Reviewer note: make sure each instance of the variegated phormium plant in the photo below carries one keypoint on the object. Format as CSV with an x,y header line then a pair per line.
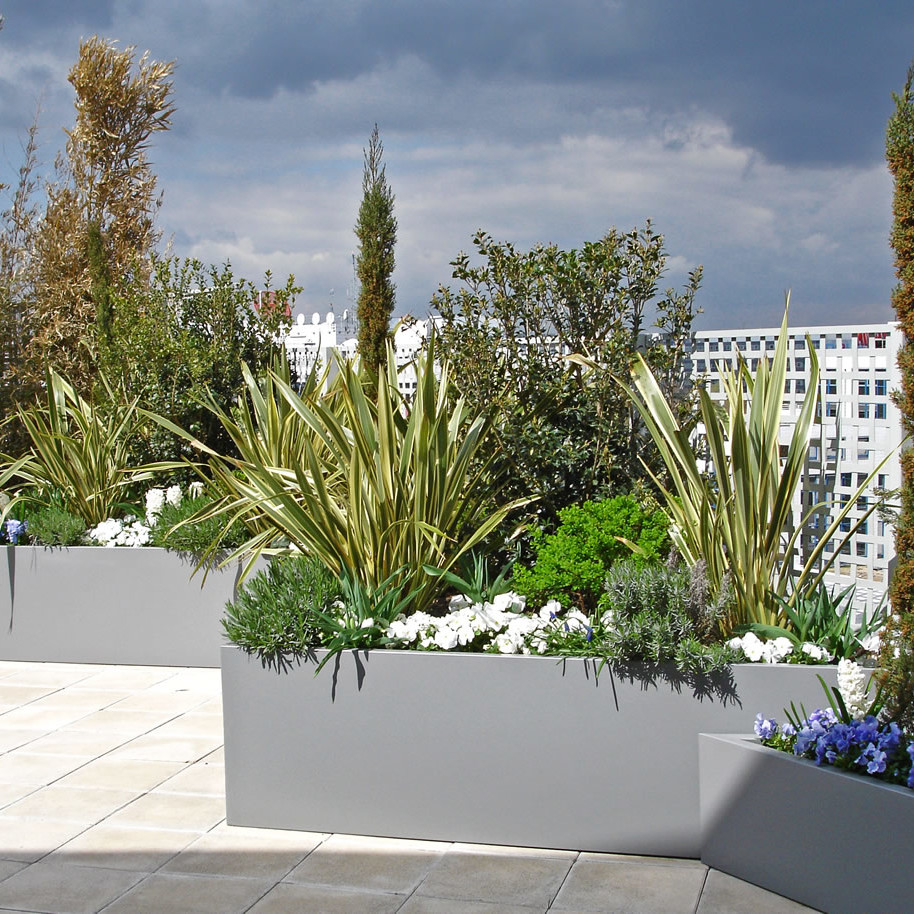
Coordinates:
x,y
736,514
376,486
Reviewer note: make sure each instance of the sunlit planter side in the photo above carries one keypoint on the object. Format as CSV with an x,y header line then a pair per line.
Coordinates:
x,y
89,604
513,750
827,838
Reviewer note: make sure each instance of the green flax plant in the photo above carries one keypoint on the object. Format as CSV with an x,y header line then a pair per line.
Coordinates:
x,y
375,486
80,452
738,517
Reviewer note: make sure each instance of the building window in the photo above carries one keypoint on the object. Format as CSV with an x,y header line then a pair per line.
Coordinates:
x,y
863,410
847,479
881,387
844,568
880,340
830,342
741,345
769,345
787,386
755,364
814,452
699,345
831,386
728,346
700,366
878,574
880,551
715,385
713,346
800,364
863,549
846,342
800,386
831,408
863,502
882,480
799,343
879,410
863,387
845,525
756,345
829,546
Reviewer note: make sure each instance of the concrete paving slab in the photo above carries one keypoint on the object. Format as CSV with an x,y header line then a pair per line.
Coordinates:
x,y
528,880
421,905
122,774
199,777
129,723
31,768
630,888
122,847
31,839
159,747
250,856
76,742
344,866
306,899
724,894
173,894
8,867
57,888
181,812
71,804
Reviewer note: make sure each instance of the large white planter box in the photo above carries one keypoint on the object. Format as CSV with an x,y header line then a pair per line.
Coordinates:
x,y
91,604
527,751
827,838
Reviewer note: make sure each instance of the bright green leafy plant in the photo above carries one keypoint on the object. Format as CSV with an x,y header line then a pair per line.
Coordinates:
x,y
571,564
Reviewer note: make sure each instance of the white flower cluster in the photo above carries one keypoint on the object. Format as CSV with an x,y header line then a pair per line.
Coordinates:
x,y
126,532
852,684
500,625
776,650
156,499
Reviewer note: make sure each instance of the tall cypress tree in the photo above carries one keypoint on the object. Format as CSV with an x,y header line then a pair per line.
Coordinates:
x,y
376,230
898,646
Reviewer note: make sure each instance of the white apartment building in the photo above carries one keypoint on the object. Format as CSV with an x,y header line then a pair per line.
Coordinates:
x,y
310,341
859,426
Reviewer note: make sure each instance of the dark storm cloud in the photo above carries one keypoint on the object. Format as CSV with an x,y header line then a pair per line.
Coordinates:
x,y
35,21
803,83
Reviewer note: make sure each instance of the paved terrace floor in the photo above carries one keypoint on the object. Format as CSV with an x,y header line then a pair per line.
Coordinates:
x,y
112,799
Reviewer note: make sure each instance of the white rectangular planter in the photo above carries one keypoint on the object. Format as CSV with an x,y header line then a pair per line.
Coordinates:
x,y
91,604
528,751
827,838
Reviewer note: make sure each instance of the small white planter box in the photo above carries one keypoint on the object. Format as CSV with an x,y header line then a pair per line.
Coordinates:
x,y
91,604
527,751
827,838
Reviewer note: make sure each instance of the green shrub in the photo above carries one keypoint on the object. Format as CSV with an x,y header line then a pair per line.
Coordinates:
x,y
571,564
197,536
278,611
53,525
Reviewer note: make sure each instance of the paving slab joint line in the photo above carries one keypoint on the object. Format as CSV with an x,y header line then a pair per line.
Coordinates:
x,y
701,891
577,857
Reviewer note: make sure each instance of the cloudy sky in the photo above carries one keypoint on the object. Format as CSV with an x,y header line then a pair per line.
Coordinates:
x,y
751,133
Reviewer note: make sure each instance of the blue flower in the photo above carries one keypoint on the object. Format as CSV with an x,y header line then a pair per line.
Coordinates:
x,y
14,529
589,633
765,728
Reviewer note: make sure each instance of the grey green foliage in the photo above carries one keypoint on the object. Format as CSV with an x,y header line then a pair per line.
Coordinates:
x,y
275,614
661,615
52,525
175,530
